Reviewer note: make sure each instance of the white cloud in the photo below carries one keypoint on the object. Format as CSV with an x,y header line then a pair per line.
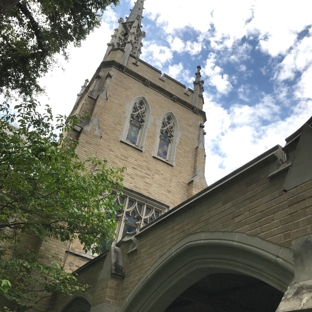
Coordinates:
x,y
156,54
214,74
221,82
193,47
277,24
299,59
176,44
237,135
178,15
283,93
238,53
254,116
175,70
244,92
178,72
303,87
62,86
229,21
218,119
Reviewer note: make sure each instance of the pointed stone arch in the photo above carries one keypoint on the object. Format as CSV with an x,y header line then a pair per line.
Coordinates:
x,y
78,303
174,140
201,254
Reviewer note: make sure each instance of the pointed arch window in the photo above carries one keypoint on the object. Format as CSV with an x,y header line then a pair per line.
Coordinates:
x,y
137,120
168,135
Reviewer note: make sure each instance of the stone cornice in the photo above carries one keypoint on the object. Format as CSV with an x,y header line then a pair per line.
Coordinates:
x,y
154,86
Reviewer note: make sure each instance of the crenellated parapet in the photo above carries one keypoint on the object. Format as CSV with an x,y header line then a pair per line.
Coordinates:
x,y
149,76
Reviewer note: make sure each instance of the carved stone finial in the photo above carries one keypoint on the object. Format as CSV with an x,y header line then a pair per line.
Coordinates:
x,y
198,87
83,88
201,87
197,74
201,140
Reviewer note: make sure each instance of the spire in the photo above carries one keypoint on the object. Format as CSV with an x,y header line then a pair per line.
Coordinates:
x,y
136,12
128,36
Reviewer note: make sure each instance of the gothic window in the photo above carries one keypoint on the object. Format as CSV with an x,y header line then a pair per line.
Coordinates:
x,y
137,213
167,138
137,123
137,120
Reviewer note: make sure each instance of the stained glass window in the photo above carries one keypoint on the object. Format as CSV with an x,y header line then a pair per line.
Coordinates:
x,y
136,214
137,120
166,137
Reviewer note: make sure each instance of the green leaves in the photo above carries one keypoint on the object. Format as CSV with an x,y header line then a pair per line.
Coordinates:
x,y
5,286
35,31
47,191
27,282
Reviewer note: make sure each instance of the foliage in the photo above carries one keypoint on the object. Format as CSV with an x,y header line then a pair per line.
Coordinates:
x,y
47,191
35,31
29,281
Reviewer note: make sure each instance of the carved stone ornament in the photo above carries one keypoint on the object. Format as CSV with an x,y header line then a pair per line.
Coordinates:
x,y
147,82
117,261
174,98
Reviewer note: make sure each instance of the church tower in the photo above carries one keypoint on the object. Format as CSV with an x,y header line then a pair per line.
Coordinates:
x,y
146,121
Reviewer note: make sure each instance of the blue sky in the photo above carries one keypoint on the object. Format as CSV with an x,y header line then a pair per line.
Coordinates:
x,y
256,59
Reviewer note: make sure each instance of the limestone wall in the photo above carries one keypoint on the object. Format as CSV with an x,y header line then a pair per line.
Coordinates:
x,y
250,203
145,173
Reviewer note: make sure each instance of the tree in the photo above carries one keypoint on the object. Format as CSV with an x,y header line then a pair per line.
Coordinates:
x,y
47,191
33,32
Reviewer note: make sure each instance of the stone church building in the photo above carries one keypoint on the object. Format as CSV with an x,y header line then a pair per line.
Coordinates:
x,y
242,244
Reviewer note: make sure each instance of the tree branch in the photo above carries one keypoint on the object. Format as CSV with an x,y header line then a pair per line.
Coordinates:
x,y
34,26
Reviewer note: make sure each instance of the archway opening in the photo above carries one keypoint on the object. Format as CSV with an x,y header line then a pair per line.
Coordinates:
x,y
255,268
227,292
78,305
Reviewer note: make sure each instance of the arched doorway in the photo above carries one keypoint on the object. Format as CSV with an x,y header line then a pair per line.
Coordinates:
x,y
202,258
227,292
78,304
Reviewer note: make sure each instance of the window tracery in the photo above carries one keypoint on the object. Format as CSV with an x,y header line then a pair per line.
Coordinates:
x,y
166,137
135,215
137,120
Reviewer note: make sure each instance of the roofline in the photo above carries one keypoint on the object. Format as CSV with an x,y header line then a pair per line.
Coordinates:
x,y
265,157
92,261
297,133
